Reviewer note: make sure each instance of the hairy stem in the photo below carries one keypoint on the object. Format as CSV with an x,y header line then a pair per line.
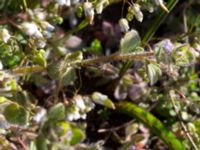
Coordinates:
x,y
113,57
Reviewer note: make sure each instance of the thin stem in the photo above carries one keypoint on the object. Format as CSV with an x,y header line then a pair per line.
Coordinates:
x,y
115,128
116,57
28,69
182,124
113,57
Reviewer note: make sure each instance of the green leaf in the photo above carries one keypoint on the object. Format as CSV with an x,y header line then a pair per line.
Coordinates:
x,y
152,123
77,136
131,129
25,5
4,143
74,57
53,70
16,114
130,42
184,55
154,72
69,76
56,113
95,47
41,143
39,58
102,100
33,146
72,133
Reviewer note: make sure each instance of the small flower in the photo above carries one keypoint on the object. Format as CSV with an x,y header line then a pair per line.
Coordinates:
x,y
79,102
168,46
4,35
132,147
68,2
47,26
31,29
47,34
1,65
80,108
40,14
40,43
138,13
99,8
89,11
62,50
40,115
69,135
123,23
75,1
64,2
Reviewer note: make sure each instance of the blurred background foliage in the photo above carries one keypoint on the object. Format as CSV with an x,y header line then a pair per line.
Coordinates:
x,y
68,68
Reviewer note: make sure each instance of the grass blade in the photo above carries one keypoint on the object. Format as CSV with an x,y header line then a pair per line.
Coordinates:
x,y
152,123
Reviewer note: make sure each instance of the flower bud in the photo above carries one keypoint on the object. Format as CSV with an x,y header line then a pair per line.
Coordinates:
x,y
162,5
64,2
123,23
4,35
168,46
99,8
138,13
89,11
47,26
39,14
31,29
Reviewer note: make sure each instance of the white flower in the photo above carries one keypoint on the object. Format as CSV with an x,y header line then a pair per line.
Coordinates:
x,y
31,29
100,5
99,8
47,26
47,34
68,2
75,1
62,50
41,43
61,2
40,15
40,115
1,65
4,35
64,2
138,13
79,102
123,23
83,116
77,115
89,11
70,117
